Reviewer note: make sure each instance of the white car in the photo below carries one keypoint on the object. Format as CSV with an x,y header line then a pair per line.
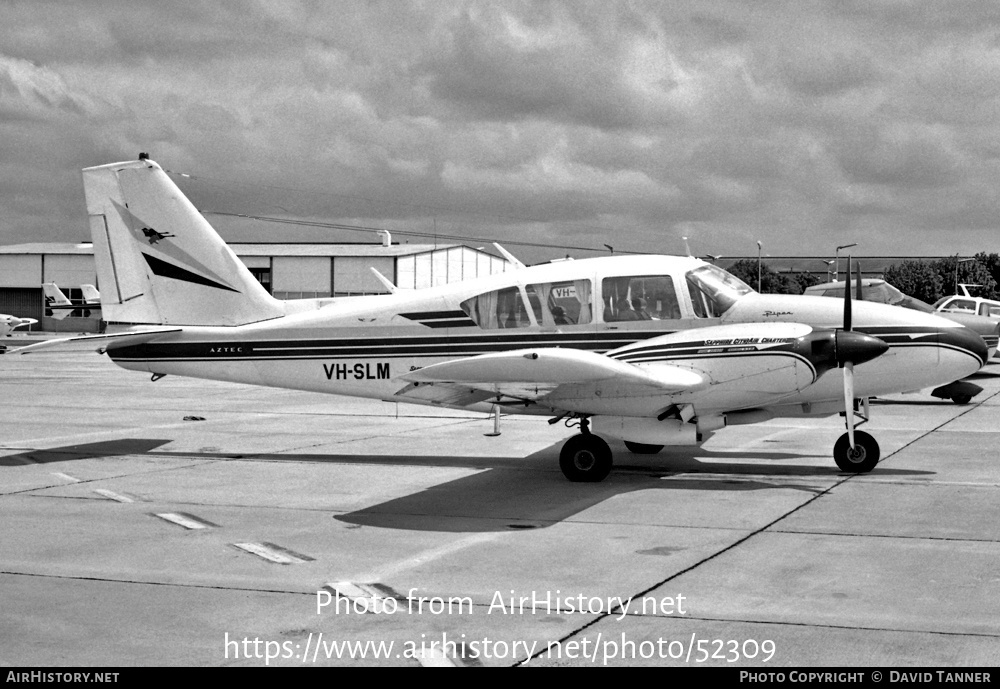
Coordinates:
x,y
965,303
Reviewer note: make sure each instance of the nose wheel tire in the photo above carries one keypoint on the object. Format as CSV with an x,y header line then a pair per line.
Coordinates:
x,y
585,458
862,458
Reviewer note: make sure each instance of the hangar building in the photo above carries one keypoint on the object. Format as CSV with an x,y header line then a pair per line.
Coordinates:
x,y
288,271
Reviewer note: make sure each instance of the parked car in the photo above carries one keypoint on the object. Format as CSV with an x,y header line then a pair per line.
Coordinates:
x,y
968,304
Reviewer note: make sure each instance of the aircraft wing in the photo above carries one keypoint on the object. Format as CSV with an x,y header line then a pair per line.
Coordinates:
x,y
127,338
531,374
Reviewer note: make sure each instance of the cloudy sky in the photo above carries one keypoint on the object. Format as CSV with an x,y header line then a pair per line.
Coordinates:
x,y
575,124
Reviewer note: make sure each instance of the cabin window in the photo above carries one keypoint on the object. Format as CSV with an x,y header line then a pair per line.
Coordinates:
x,y
960,305
498,309
713,290
639,298
561,303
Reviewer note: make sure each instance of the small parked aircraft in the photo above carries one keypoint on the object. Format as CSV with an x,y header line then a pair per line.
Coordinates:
x,y
653,350
59,306
8,323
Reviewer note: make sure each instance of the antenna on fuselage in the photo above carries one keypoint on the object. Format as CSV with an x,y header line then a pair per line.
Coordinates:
x,y
687,249
386,282
509,256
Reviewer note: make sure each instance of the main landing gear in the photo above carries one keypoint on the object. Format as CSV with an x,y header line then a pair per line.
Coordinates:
x,y
585,457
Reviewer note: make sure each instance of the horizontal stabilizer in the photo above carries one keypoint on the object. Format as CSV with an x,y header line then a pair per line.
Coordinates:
x,y
129,338
552,366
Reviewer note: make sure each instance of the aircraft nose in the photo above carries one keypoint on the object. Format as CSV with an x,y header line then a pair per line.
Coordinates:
x,y
968,340
857,347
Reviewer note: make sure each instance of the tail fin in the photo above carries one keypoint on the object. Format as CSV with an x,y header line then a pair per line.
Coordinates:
x,y
54,297
159,262
91,297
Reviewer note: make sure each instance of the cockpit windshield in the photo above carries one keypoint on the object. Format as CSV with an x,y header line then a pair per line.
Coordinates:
x,y
879,292
713,290
897,298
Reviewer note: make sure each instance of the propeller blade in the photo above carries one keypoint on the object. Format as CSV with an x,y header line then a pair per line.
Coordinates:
x,y
847,297
849,401
859,295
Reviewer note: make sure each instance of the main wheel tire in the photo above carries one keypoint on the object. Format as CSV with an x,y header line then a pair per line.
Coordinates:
x,y
862,458
585,458
642,448
961,399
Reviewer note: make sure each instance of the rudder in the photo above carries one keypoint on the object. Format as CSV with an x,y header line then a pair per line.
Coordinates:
x,y
159,262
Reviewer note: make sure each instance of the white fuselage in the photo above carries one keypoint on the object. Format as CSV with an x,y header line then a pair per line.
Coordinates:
x,y
360,346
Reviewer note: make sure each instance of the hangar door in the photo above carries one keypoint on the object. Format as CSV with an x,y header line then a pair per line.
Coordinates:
x,y
23,302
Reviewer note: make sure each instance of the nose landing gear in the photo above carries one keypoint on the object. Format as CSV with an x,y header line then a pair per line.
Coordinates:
x,y
861,458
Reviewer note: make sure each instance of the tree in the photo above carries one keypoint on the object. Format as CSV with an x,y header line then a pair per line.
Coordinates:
x,y
918,279
969,272
805,280
771,282
992,263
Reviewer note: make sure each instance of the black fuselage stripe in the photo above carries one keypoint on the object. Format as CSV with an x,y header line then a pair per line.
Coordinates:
x,y
441,347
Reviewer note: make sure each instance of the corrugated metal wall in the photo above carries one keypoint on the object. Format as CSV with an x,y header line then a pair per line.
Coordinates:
x,y
22,302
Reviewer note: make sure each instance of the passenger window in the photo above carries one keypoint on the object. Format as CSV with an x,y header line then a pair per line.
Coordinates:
x,y
498,309
961,305
561,303
639,298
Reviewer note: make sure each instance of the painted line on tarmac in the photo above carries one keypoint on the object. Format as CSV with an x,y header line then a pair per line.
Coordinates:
x,y
372,597
113,495
434,657
65,477
188,521
274,553
430,555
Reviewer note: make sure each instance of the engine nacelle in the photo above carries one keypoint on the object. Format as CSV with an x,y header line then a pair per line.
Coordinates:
x,y
645,430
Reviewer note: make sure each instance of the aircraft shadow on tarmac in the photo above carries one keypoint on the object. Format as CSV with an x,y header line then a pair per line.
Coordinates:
x,y
106,448
506,498
512,492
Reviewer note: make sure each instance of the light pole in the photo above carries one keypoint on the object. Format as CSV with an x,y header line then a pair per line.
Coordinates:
x,y
759,247
837,273
957,261
829,270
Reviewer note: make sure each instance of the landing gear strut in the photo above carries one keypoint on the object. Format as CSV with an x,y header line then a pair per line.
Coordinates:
x,y
585,457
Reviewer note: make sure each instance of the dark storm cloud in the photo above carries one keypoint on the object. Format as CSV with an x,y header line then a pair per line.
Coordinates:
x,y
805,124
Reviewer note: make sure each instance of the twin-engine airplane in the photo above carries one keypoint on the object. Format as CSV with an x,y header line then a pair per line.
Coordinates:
x,y
653,350
59,306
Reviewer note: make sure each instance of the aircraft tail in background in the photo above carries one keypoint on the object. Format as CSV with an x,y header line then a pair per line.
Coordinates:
x,y
91,297
159,262
57,303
